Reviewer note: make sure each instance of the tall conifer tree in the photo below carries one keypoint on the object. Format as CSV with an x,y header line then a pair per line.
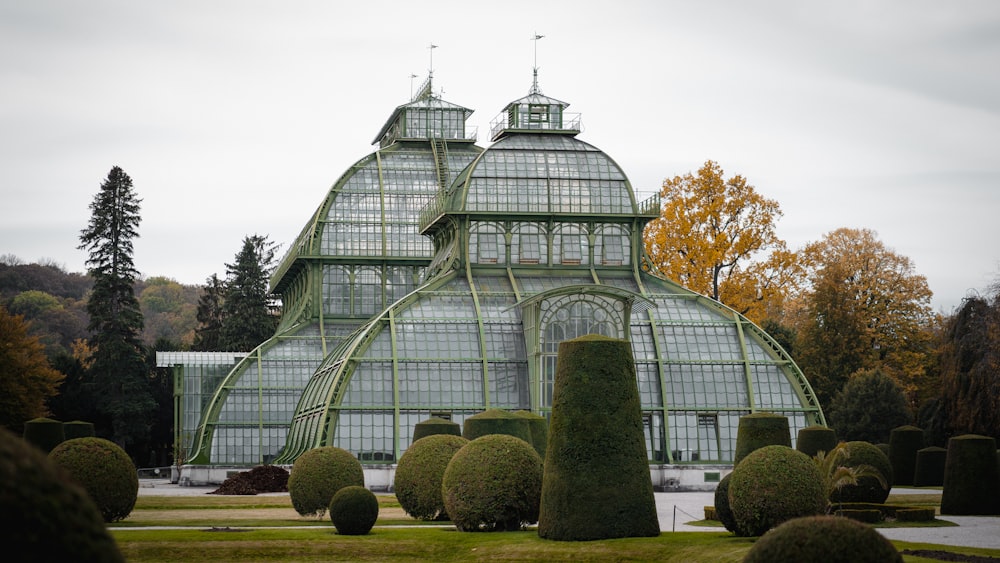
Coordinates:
x,y
208,335
248,315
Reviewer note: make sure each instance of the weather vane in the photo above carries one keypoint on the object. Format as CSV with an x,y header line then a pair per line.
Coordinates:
x,y
534,70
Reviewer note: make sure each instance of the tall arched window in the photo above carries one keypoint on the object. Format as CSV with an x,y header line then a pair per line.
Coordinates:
x,y
486,244
529,245
569,245
612,247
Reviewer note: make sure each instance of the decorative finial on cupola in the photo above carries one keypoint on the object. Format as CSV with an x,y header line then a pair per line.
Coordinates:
x,y
534,82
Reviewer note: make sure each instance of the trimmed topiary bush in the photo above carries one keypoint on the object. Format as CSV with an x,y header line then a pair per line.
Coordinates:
x,y
44,433
353,510
971,477
539,428
758,430
930,467
496,421
823,538
493,484
904,442
104,470
78,429
597,483
814,439
46,517
318,474
435,425
774,484
868,489
723,512
419,474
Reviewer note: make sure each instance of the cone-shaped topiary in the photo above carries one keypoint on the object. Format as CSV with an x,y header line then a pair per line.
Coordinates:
x,y
78,429
496,421
419,474
539,428
774,484
823,538
493,484
46,517
353,510
318,474
44,433
758,430
971,479
930,467
597,482
104,470
722,509
868,489
435,425
814,439
904,442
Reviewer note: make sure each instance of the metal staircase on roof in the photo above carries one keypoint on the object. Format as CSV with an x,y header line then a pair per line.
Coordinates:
x,y
440,150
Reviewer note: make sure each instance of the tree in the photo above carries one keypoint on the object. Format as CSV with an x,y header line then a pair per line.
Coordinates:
x,y
27,380
868,407
864,308
208,335
248,315
119,371
716,237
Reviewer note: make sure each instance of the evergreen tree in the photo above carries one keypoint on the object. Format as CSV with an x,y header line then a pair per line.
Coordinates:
x,y
119,372
868,407
208,335
248,315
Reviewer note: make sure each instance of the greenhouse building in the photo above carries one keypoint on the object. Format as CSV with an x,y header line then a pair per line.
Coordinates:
x,y
437,278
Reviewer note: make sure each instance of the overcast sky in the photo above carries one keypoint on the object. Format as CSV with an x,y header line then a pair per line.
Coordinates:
x,y
235,117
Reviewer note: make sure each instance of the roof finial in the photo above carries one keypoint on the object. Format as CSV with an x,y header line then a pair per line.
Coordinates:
x,y
534,80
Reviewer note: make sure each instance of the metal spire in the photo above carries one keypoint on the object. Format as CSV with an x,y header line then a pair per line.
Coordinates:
x,y
534,81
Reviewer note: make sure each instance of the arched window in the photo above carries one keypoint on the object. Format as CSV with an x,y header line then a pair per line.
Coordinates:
x,y
486,244
529,245
569,245
612,247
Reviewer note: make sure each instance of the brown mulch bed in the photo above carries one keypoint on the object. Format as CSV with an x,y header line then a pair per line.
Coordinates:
x,y
260,479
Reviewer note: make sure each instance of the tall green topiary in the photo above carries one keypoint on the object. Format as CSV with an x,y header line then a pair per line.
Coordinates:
x,y
417,482
971,479
104,470
868,489
930,467
597,482
435,425
758,430
493,484
496,421
814,439
774,484
823,538
318,474
722,509
44,433
539,428
353,510
46,517
904,442
78,429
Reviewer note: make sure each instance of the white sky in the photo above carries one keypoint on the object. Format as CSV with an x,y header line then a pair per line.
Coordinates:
x,y
235,117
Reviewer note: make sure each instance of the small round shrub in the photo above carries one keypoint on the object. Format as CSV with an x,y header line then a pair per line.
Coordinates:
x,y
930,467
46,517
868,489
774,484
723,511
493,483
823,538
435,425
318,474
104,470
904,442
971,477
814,439
78,429
417,482
758,430
539,428
44,433
353,510
496,421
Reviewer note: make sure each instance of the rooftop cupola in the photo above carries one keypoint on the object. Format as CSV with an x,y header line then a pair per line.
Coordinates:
x,y
426,117
535,113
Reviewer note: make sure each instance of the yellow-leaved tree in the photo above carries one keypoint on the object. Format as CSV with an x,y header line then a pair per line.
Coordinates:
x,y
716,236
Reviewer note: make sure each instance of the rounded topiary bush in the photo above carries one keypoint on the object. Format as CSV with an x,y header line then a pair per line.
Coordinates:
x,y
353,510
104,470
930,467
318,474
774,484
435,425
814,439
539,428
597,483
78,429
904,442
722,509
971,479
44,433
868,489
46,517
419,474
823,538
496,421
758,430
493,483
